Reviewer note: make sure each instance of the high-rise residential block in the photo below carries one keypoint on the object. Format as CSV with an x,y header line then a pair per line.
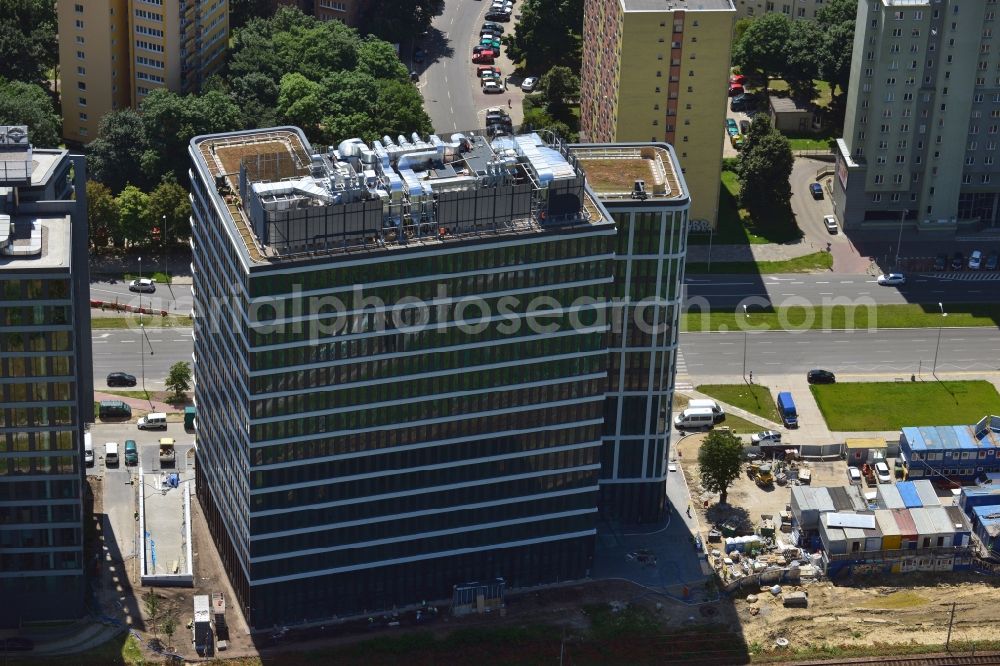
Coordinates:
x,y
658,70
793,9
46,388
922,124
402,362
112,53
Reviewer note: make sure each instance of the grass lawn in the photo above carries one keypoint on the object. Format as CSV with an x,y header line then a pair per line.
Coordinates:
x,y
842,317
735,225
754,398
810,143
823,93
148,321
892,405
738,425
158,277
810,263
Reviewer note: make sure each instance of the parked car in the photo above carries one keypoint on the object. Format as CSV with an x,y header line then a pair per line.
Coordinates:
x,y
737,141
528,85
490,43
495,15
891,279
120,379
142,285
816,190
17,644
941,262
495,27
731,127
483,57
854,476
492,87
744,127
419,55
882,473
414,75
131,453
482,69
735,90
975,260
957,261
741,103
766,437
737,80
830,222
818,376
992,261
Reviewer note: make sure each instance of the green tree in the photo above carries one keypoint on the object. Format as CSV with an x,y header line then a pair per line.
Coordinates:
x,y
802,58
560,84
761,48
720,461
170,121
114,157
170,200
399,20
837,12
28,104
28,46
765,168
179,379
835,56
136,223
301,102
378,59
739,28
548,34
154,610
102,214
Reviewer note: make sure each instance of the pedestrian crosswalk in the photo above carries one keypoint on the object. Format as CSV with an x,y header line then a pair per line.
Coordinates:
x,y
683,380
967,276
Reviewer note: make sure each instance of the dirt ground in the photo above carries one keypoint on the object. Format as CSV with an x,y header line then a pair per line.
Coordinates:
x,y
913,607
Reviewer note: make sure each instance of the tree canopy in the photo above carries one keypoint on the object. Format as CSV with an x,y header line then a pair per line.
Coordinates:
x,y
548,34
28,46
28,104
762,47
720,461
115,156
765,166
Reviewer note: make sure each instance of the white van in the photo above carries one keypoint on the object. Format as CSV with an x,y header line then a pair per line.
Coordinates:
x,y
88,450
111,454
153,421
695,417
720,415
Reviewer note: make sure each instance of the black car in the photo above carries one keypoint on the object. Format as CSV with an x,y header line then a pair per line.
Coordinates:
x,y
820,377
503,17
17,644
419,55
958,261
992,261
941,262
121,379
495,28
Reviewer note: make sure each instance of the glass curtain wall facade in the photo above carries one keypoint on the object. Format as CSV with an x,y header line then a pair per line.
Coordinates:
x,y
46,394
356,458
649,275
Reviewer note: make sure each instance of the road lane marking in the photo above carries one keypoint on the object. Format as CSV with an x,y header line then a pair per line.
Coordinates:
x,y
819,282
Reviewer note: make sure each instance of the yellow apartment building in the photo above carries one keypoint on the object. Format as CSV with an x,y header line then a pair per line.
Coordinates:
x,y
658,70
112,53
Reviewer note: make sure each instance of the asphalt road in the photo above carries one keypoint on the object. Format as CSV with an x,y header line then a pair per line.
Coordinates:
x,y
119,350
173,297
725,291
902,351
447,79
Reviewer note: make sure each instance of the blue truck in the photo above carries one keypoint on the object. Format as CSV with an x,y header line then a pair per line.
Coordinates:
x,y
786,407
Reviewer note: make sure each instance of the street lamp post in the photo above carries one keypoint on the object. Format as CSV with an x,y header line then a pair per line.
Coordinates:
x,y
899,241
140,298
745,337
163,232
938,346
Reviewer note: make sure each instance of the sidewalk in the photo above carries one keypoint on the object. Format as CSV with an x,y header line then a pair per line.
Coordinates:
x,y
764,252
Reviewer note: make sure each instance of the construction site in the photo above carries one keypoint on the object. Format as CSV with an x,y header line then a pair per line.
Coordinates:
x,y
774,549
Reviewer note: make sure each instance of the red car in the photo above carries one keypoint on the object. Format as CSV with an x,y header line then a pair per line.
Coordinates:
x,y
483,57
735,90
737,80
482,69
